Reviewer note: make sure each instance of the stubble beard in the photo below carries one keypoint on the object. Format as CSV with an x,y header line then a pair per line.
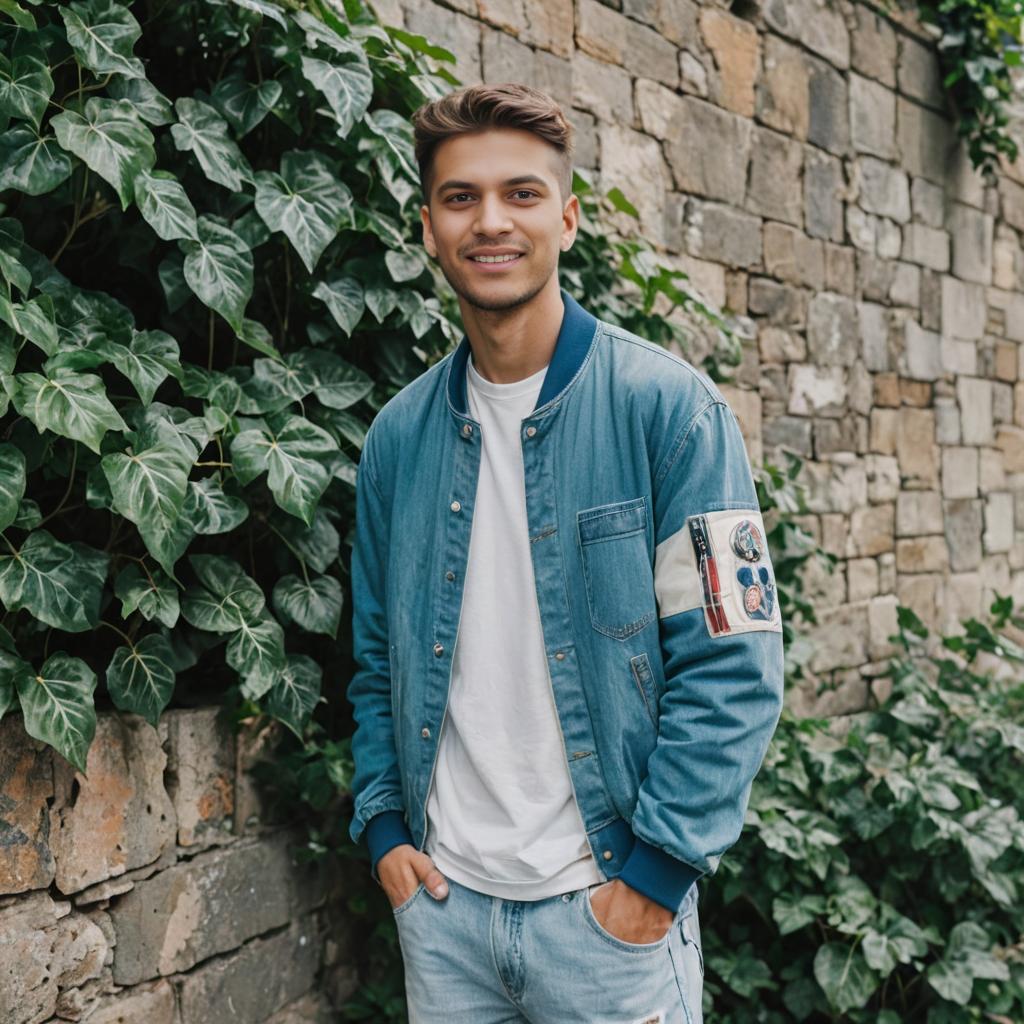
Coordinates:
x,y
497,305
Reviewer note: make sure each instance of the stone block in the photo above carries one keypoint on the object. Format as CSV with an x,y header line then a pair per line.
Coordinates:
x,y
917,393
781,346
836,435
882,623
871,530
549,27
780,305
960,472
676,20
971,232
790,432
693,75
315,1007
963,532
889,239
863,231
835,532
974,396
919,593
823,186
964,310
634,163
601,32
947,421
717,171
150,1003
782,100
828,122
918,513
719,232
861,579
873,45
860,392
841,637
883,475
874,335
884,189
906,283
915,447
1011,203
922,352
507,15
817,24
840,269
958,357
918,72
210,904
872,117
655,106
791,256
1004,358
816,390
1010,442
200,774
1006,256
118,817
833,330
926,140
775,164
927,246
922,554
999,525
991,472
928,202
882,431
256,981
735,46
451,30
26,788
887,390
606,91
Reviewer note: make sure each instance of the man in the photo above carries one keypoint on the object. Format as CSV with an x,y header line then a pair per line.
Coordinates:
x,y
569,645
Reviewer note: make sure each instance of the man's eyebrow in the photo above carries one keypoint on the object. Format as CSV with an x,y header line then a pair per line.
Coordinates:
x,y
522,179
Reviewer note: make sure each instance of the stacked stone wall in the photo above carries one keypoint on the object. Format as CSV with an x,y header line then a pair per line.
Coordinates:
x,y
798,160
154,888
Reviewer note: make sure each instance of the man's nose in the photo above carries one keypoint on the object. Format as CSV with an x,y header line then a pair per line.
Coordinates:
x,y
491,217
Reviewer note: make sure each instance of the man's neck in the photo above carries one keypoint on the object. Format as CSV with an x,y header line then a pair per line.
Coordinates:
x,y
511,345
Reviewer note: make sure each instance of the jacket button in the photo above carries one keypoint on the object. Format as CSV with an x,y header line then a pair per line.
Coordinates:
x,y
438,649
530,431
425,733
455,506
607,854
449,575
560,655
467,429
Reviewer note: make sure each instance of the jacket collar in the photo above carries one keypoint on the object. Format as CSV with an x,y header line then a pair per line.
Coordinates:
x,y
571,348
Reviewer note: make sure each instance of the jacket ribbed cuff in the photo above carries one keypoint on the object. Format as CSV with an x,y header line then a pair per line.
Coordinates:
x,y
385,831
659,876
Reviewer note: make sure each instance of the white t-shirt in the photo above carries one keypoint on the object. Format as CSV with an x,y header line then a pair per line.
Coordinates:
x,y
502,815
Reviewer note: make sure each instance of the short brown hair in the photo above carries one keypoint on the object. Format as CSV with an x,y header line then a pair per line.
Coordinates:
x,y
475,108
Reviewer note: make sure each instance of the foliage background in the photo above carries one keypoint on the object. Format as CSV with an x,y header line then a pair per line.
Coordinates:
x,y
208,285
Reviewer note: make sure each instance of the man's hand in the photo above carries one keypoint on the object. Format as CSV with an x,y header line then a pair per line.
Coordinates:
x,y
629,915
402,869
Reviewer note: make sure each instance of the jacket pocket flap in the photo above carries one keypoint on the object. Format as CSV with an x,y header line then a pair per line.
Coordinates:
x,y
623,517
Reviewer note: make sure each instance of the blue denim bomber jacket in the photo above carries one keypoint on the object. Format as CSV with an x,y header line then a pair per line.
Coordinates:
x,y
655,587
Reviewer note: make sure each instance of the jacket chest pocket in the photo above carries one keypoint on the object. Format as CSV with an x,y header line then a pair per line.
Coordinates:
x,y
617,567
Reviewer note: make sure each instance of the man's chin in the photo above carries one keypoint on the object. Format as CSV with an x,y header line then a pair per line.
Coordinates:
x,y
498,299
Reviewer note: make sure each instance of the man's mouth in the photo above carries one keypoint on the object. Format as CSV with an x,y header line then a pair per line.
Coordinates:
x,y
496,260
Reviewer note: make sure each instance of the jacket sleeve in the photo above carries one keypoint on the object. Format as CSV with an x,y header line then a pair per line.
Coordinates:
x,y
720,631
376,782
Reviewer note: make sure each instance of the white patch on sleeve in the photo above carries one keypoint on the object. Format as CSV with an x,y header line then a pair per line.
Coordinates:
x,y
719,561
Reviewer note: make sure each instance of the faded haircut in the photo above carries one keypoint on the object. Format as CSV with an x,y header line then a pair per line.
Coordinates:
x,y
477,108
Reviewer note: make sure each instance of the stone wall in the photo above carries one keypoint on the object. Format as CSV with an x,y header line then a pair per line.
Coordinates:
x,y
154,888
797,160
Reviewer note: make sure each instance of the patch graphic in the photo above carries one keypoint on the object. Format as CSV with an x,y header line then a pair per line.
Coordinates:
x,y
707,566
653,1018
746,541
758,593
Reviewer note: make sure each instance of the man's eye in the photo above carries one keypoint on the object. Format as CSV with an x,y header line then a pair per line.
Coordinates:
x,y
525,191
457,194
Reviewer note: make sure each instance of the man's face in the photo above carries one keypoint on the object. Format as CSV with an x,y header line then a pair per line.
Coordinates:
x,y
495,192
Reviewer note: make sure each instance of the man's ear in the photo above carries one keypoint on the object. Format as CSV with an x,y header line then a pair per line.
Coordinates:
x,y
428,232
570,222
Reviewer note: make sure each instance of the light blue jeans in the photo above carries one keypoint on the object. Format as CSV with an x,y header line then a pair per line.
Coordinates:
x,y
477,959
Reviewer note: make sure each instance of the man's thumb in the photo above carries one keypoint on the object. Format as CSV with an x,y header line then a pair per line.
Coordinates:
x,y
436,883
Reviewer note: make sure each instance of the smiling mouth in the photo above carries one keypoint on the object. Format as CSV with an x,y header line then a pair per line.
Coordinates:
x,y
496,260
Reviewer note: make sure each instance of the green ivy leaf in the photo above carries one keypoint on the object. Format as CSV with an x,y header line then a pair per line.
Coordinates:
x,y
210,510
952,981
25,88
164,205
154,596
33,319
335,383
306,202
225,599
347,85
204,132
257,337
140,678
256,652
29,516
149,102
342,294
263,7
219,269
243,103
295,693
58,705
11,666
12,483
147,362
318,544
315,605
17,14
32,163
843,975
71,404
102,33
295,458
404,266
148,487
111,140
792,912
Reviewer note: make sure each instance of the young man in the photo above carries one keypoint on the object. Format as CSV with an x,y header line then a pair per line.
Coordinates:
x,y
565,620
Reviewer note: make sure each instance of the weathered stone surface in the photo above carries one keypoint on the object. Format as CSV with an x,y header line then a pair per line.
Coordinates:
x,y
1011,203
861,578
507,15
883,475
254,982
506,59
146,1004
609,36
927,246
314,1007
928,202
919,592
872,117
999,522
791,256
918,513
775,164
716,231
676,20
781,305
828,122
26,784
841,637
603,90
782,100
120,817
1010,441
926,140
634,163
882,623
548,26
735,46
871,530
815,390
963,532
915,447
923,352
718,171
200,776
974,396
884,190
882,438
873,45
833,330
963,309
971,232
459,34
823,185
922,554
781,346
840,269
792,432
960,472
209,904
817,24
918,72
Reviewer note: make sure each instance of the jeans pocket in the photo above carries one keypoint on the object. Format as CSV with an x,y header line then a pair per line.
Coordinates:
x,y
408,902
614,940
